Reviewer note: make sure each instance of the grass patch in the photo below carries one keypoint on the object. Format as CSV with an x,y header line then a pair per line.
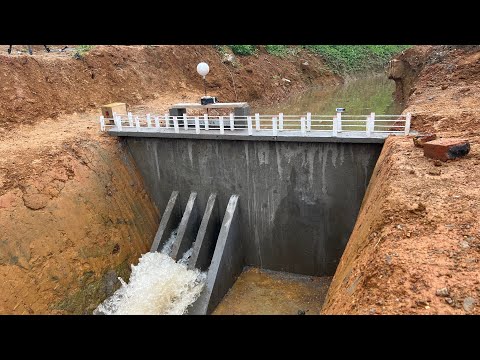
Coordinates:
x,y
339,58
277,50
81,50
243,49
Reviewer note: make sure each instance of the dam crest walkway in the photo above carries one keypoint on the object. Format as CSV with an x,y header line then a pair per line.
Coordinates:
x,y
310,127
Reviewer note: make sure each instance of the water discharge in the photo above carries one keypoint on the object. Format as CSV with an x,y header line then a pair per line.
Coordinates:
x,y
158,286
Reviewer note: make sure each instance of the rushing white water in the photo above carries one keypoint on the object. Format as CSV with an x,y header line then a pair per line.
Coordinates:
x,y
158,285
167,248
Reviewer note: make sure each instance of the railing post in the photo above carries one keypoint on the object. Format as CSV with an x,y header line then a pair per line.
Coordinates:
x,y
408,120
257,121
130,119
302,126
167,121
157,122
137,123
368,126
175,124
222,129
280,121
102,123
149,121
335,126
309,121
232,122
197,125
249,123
372,124
205,120
185,122
118,122
339,122
274,126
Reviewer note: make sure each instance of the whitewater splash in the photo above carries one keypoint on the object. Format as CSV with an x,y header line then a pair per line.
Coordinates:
x,y
158,286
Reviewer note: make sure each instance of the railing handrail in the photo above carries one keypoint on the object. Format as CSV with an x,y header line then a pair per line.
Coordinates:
x,y
306,124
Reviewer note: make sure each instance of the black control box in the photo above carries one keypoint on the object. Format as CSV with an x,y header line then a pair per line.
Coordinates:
x,y
206,100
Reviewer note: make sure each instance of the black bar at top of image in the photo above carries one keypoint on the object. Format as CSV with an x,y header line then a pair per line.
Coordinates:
x,y
244,22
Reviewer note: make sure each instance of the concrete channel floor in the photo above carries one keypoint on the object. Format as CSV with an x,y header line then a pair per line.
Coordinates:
x,y
266,292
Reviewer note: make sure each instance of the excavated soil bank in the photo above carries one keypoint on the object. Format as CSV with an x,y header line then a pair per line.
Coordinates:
x,y
45,85
415,248
74,217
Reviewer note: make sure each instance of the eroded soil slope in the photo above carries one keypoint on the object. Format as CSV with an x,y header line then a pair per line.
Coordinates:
x,y
73,215
45,85
415,248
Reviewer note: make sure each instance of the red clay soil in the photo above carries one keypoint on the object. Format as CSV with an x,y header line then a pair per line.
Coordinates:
x,y
74,215
405,68
46,85
73,211
415,248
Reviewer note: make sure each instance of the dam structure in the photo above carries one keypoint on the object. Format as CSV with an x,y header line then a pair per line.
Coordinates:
x,y
274,192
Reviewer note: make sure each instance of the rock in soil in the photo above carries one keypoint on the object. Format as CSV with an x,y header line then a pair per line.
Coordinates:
x,y
420,140
464,244
443,292
468,304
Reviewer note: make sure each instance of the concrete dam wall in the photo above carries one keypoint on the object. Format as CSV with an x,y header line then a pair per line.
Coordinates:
x,y
298,201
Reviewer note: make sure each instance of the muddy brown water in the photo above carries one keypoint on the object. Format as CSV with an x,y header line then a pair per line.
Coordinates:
x,y
260,291
266,292
359,97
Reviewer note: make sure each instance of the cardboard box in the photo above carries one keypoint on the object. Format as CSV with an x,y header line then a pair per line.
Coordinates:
x,y
117,108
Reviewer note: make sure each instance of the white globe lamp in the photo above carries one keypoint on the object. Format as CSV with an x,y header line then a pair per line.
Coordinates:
x,y
203,69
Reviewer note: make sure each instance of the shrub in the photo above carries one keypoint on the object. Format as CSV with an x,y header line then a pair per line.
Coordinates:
x,y
351,58
243,49
278,50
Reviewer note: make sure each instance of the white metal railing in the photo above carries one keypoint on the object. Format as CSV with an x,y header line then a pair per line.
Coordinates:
x,y
339,125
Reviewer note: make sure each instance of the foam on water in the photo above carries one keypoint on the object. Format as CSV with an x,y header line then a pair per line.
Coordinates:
x,y
158,285
167,248
186,257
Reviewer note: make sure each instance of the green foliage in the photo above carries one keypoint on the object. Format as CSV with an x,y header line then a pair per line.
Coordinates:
x,y
243,49
339,58
278,50
82,50
352,58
